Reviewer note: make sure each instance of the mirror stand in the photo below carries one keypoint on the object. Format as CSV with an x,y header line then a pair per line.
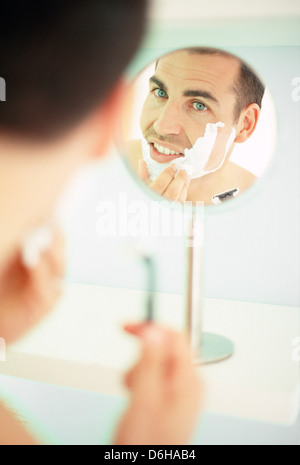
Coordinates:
x,y
206,347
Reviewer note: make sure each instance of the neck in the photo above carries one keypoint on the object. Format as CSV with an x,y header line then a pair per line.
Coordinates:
x,y
206,187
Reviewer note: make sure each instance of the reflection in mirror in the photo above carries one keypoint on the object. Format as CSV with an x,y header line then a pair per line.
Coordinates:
x,y
198,125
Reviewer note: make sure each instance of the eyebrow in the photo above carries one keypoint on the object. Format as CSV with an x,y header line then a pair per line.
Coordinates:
x,y
188,93
159,83
200,93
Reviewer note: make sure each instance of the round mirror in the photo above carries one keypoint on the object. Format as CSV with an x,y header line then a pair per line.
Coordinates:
x,y
198,125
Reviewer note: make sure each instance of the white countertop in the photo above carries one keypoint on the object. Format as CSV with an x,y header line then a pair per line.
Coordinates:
x,y
82,345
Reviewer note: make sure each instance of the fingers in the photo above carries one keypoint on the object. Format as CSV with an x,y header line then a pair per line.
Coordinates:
x,y
143,171
45,244
55,256
165,390
148,377
177,190
169,348
44,289
136,329
145,378
174,188
180,374
45,278
31,285
165,362
184,193
163,181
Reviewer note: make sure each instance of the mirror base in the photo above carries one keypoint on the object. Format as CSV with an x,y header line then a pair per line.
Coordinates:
x,y
214,348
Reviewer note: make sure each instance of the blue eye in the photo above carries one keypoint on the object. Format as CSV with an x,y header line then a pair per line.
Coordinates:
x,y
160,93
199,106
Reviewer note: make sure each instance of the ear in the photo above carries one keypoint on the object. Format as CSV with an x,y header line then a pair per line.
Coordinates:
x,y
105,120
247,123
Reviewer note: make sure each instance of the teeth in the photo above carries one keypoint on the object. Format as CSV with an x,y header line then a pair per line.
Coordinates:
x,y
164,150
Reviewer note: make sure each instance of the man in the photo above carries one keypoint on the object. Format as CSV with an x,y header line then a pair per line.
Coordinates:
x,y
62,62
193,90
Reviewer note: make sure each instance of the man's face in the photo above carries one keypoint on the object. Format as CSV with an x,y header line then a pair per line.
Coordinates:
x,y
187,92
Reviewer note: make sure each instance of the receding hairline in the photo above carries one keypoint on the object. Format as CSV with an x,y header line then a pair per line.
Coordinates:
x,y
238,85
210,52
202,51
243,66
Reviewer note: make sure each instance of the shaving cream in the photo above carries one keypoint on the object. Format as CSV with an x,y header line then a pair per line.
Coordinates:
x,y
195,159
37,242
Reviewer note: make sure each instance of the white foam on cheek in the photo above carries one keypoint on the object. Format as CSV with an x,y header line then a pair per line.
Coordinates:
x,y
154,168
195,159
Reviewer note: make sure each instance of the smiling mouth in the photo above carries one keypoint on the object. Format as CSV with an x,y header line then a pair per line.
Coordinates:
x,y
163,154
165,150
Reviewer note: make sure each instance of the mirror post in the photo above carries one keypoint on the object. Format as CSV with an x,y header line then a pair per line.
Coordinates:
x,y
194,296
205,347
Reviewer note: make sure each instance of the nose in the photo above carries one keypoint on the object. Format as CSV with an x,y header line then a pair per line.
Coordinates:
x,y
169,120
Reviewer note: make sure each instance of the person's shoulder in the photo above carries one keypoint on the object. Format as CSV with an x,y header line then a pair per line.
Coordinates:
x,y
245,178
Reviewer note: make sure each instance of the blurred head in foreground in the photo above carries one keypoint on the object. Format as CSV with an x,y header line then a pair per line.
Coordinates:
x,y
61,63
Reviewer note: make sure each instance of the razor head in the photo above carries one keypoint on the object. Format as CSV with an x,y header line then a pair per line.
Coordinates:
x,y
227,195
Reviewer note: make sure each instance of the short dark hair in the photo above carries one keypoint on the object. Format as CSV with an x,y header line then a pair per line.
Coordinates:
x,y
249,87
60,59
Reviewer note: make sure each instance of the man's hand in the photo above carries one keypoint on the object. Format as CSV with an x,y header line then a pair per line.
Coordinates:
x,y
28,294
166,391
171,187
